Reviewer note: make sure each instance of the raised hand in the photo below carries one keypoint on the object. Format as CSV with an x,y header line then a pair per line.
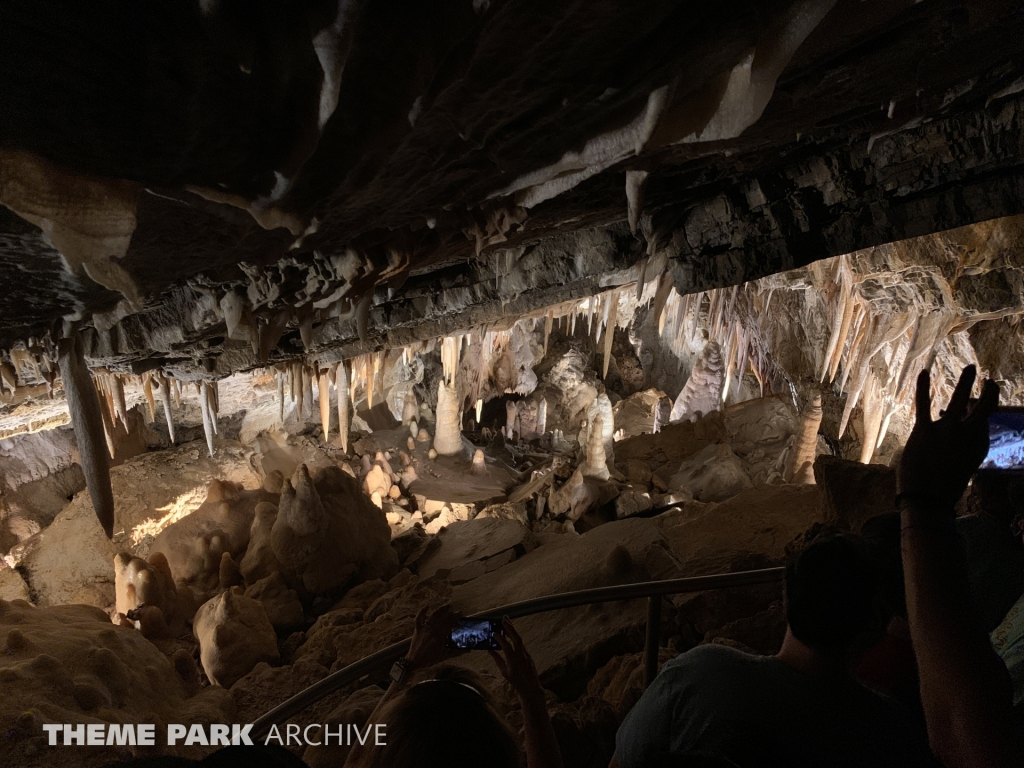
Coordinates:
x,y
942,454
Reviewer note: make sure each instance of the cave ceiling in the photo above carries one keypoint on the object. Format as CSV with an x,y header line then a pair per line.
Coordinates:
x,y
211,186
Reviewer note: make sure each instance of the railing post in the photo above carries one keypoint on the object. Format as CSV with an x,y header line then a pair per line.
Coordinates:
x,y
653,635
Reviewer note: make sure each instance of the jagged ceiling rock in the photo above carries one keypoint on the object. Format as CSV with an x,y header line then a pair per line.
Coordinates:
x,y
393,170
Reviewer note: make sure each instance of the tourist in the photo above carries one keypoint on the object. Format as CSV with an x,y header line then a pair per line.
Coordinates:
x,y
965,687
443,717
801,707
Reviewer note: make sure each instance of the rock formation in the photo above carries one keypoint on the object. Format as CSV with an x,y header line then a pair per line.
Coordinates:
x,y
234,635
702,392
800,470
448,431
86,418
328,533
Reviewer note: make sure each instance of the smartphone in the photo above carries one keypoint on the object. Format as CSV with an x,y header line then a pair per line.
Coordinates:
x,y
475,635
1006,440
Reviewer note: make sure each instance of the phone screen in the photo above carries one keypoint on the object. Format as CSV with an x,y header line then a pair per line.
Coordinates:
x,y
1006,440
475,635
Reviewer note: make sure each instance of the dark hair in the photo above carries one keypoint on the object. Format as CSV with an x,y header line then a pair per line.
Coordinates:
x,y
832,593
448,721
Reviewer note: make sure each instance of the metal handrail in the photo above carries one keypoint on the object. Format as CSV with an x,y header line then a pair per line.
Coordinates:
x,y
648,589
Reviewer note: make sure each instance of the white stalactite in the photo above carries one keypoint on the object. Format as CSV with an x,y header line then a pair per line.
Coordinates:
x,y
341,382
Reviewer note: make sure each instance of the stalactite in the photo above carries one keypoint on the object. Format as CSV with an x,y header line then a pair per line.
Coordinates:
x,y
609,333
342,393
307,389
294,382
280,397
805,446
165,399
542,417
204,406
479,410
270,333
87,422
306,332
211,402
147,387
661,299
177,392
873,414
120,409
106,414
324,396
635,181
548,319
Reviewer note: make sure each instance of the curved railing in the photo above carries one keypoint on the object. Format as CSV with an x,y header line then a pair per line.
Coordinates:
x,y
648,589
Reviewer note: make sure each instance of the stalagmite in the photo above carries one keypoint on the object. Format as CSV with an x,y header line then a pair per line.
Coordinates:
x,y
511,412
165,398
801,459
204,406
86,419
448,437
147,387
479,463
323,387
703,390
410,409
542,417
596,464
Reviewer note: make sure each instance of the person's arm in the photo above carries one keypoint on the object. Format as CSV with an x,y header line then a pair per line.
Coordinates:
x,y
517,667
965,687
426,649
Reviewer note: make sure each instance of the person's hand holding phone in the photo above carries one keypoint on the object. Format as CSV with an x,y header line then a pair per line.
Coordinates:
x,y
515,663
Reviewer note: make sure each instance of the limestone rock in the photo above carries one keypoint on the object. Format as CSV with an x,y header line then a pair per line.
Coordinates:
x,y
146,594
472,541
558,641
632,502
234,635
12,585
327,532
195,544
152,490
854,492
283,607
714,473
259,560
642,413
69,664
706,538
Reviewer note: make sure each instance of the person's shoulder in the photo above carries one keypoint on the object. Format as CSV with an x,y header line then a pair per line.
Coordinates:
x,y
712,656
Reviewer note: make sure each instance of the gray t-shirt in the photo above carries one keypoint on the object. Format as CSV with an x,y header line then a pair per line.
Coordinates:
x,y
758,711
